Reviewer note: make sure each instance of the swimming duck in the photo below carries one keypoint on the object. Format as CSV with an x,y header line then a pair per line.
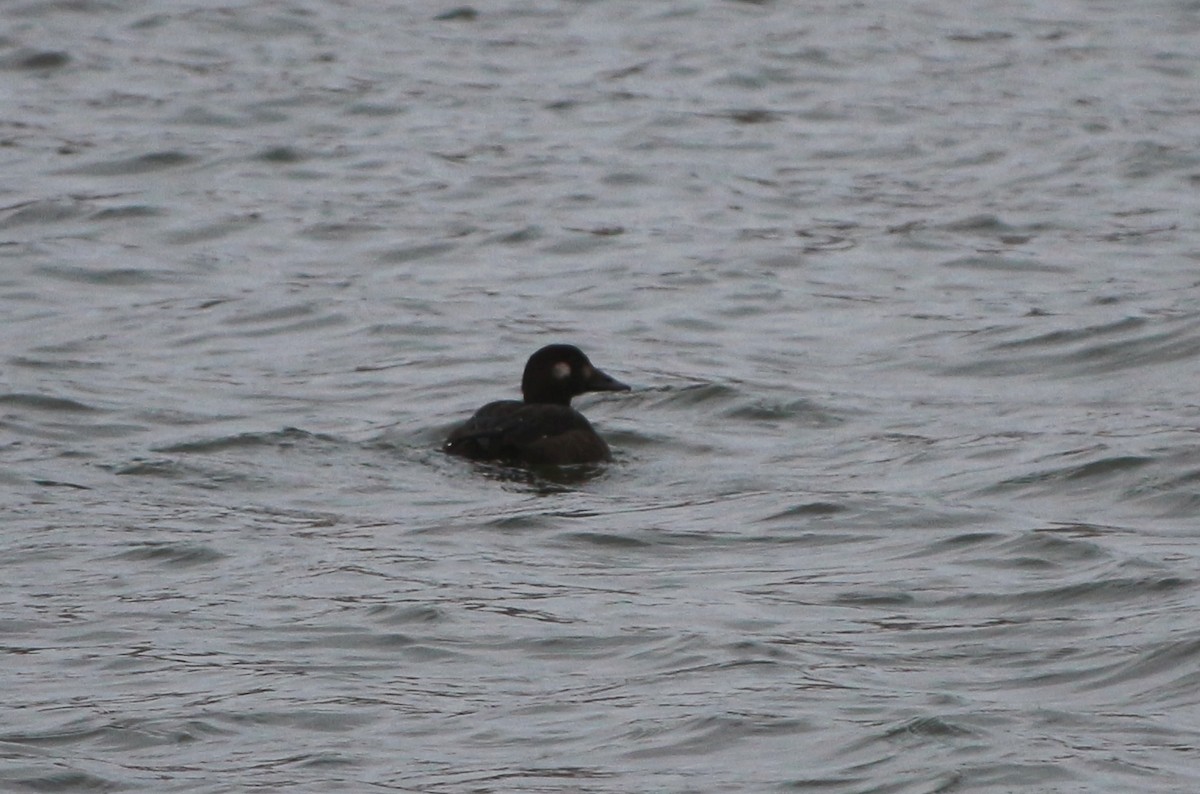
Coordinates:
x,y
544,428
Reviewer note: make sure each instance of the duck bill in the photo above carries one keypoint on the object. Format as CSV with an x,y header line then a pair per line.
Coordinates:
x,y
602,381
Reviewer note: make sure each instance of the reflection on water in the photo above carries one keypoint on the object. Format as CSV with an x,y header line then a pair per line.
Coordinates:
x,y
540,479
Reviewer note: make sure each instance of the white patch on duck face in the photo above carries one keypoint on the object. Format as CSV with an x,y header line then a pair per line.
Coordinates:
x,y
561,371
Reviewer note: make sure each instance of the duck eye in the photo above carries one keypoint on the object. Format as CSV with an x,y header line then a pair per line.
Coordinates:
x,y
561,371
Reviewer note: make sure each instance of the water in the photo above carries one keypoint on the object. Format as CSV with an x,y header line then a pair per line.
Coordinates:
x,y
905,497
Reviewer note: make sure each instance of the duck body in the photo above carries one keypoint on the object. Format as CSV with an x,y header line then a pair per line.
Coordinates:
x,y
543,428
528,433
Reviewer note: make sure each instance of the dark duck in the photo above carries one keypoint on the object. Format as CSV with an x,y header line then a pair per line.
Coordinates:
x,y
544,428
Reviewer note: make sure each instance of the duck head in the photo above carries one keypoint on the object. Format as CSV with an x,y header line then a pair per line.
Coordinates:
x,y
556,373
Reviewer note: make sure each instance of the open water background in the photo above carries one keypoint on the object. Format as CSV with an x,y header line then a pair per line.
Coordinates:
x,y
905,499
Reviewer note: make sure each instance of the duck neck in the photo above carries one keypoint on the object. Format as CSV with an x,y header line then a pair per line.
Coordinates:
x,y
545,398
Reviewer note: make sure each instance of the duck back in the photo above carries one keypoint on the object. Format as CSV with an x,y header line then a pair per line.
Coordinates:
x,y
536,433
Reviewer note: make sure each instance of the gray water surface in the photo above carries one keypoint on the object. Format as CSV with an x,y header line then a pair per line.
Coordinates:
x,y
904,500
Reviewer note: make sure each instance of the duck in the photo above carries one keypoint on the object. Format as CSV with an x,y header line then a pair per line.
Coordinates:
x,y
542,428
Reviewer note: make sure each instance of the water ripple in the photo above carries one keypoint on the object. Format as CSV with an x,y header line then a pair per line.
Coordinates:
x,y
904,498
